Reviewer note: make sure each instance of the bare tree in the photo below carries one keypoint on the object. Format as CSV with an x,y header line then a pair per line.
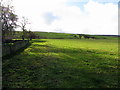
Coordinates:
x,y
22,24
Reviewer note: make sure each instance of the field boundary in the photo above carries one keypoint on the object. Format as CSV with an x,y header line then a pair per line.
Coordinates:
x,y
13,47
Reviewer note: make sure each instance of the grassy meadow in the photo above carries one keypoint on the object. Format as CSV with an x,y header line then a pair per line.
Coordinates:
x,y
53,35
64,63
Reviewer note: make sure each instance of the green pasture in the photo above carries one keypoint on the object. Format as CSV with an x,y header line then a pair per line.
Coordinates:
x,y
64,63
53,35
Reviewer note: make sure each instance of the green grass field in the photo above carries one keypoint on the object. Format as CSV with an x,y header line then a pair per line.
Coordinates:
x,y
64,63
53,35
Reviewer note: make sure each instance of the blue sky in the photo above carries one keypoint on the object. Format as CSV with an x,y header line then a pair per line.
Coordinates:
x,y
81,3
70,16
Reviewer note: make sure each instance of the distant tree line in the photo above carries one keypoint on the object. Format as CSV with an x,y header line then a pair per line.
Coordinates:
x,y
80,36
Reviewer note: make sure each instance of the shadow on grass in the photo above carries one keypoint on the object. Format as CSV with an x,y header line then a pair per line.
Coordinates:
x,y
83,68
54,67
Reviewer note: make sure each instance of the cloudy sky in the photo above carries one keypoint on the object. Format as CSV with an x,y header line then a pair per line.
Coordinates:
x,y
70,16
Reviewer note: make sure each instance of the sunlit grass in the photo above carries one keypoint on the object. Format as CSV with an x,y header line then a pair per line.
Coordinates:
x,y
64,63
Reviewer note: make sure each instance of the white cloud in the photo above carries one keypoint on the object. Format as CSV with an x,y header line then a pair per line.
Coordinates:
x,y
49,17
95,19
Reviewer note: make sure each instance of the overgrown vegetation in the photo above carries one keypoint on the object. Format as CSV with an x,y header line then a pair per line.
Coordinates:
x,y
64,63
